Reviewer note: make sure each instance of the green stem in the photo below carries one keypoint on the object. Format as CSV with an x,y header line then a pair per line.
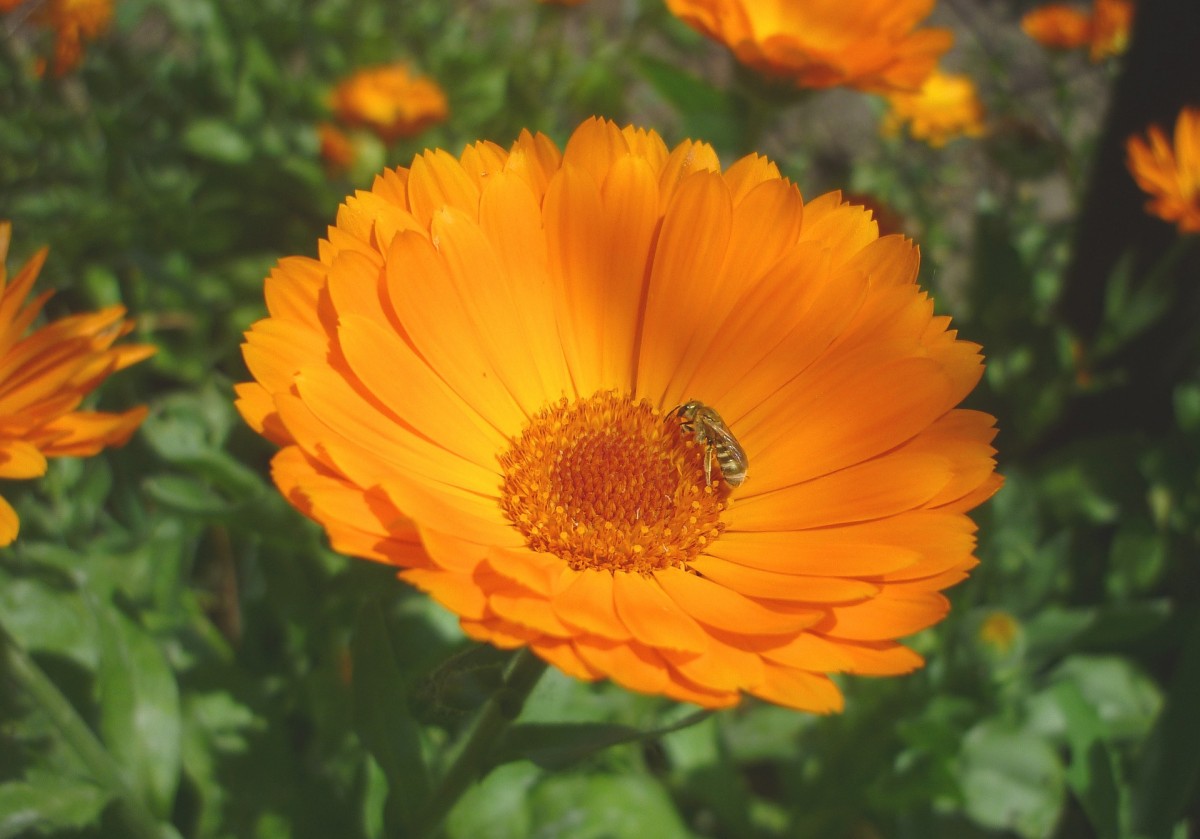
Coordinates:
x,y
139,822
476,744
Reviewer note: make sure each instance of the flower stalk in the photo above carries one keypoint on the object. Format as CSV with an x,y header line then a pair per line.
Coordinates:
x,y
139,822
475,746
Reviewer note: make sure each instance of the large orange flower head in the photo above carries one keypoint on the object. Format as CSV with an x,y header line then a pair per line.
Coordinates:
x,y
45,375
656,421
389,100
946,107
871,45
1170,175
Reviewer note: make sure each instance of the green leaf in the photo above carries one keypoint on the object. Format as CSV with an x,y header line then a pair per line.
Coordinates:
x,y
186,495
48,619
1187,407
139,708
1124,699
43,804
1170,766
1011,780
497,807
217,140
559,745
604,807
1092,772
381,717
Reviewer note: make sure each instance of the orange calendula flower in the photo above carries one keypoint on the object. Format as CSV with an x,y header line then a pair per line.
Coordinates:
x,y
45,375
947,106
73,22
1111,22
390,101
1170,175
1104,30
871,45
487,377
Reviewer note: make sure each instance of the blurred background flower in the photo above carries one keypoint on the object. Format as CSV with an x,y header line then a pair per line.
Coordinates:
x,y
390,100
874,45
1170,173
946,107
71,23
1104,30
46,373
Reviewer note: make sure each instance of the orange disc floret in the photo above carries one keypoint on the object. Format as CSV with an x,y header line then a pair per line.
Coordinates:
x,y
45,375
871,45
476,381
390,100
1170,173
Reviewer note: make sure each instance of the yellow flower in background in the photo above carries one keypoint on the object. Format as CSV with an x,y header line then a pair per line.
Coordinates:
x,y
999,630
1104,30
390,101
45,375
1171,175
871,45
480,378
946,107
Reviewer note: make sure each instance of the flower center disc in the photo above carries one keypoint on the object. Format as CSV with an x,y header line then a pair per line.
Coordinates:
x,y
609,483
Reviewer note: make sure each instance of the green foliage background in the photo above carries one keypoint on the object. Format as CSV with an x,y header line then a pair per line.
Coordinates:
x,y
176,636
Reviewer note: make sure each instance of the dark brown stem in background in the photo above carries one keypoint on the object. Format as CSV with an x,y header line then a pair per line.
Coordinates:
x,y
1160,75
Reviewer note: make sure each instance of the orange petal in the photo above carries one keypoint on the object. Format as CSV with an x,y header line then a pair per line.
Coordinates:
x,y
754,582
628,663
878,488
799,689
716,606
695,235
19,459
444,328
585,599
10,525
653,617
897,611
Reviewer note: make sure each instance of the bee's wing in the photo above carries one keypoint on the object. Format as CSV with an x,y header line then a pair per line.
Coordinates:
x,y
722,438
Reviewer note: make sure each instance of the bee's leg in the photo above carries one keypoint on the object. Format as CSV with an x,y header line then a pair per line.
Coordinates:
x,y
708,459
